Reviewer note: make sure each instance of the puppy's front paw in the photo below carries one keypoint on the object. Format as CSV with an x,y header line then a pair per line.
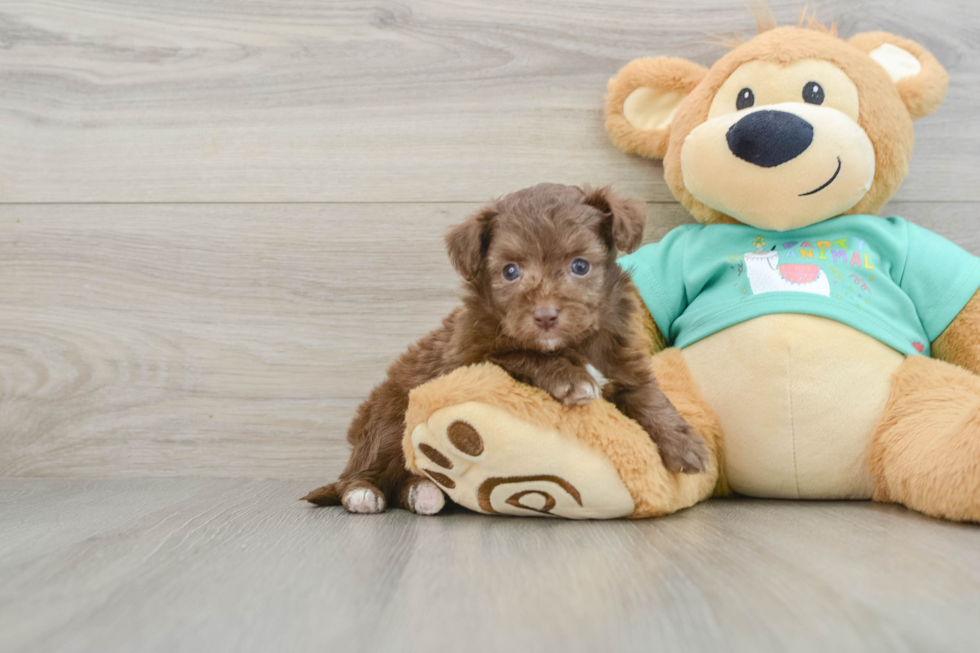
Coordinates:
x,y
684,451
575,389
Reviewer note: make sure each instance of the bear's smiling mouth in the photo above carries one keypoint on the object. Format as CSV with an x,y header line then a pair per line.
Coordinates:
x,y
826,183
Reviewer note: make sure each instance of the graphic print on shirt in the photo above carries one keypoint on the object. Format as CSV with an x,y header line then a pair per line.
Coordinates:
x,y
827,273
767,275
884,277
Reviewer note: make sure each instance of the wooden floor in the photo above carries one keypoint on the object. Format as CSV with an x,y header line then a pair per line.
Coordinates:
x,y
220,221
239,566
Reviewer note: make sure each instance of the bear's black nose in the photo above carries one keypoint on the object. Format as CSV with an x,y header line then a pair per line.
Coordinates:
x,y
769,138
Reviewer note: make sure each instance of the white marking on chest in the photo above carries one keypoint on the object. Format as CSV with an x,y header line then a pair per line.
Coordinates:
x,y
596,375
550,344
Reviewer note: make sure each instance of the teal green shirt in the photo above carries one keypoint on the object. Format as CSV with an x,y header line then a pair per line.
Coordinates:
x,y
888,278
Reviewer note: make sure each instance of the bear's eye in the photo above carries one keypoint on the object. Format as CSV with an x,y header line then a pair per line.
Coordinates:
x,y
511,271
746,98
813,93
580,267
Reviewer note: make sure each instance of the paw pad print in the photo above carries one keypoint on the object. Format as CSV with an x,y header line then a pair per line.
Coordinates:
x,y
464,438
489,461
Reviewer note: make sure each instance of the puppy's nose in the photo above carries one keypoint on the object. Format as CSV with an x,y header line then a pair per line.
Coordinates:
x,y
769,138
546,317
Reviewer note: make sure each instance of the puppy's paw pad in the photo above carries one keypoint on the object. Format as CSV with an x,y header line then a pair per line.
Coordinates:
x,y
582,393
363,501
425,498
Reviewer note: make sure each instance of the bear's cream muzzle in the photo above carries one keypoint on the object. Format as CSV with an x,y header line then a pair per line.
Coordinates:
x,y
781,166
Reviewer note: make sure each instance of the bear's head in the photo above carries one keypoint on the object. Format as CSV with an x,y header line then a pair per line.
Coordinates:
x,y
788,129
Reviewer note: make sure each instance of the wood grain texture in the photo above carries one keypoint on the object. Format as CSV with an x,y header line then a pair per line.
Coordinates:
x,y
311,100
219,223
225,340
234,565
234,340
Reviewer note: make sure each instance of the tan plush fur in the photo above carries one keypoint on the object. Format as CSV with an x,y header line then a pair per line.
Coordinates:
x,y
676,382
670,75
922,93
656,339
546,302
917,439
597,424
959,344
886,110
482,383
883,115
925,452
783,388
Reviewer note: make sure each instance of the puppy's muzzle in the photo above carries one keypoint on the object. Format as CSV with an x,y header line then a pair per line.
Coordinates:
x,y
546,318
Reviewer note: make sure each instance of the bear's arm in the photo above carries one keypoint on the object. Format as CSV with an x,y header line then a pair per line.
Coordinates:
x,y
960,342
651,333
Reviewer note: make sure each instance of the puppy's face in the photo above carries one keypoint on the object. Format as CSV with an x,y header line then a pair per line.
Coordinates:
x,y
545,260
547,276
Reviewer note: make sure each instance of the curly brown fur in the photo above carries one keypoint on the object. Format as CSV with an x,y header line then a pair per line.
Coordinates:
x,y
532,308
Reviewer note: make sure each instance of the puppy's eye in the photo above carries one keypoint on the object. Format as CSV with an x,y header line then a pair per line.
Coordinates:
x,y
511,271
580,267
746,98
813,93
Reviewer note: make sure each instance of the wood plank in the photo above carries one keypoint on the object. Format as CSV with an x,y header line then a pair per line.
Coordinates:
x,y
233,565
196,324
421,100
225,340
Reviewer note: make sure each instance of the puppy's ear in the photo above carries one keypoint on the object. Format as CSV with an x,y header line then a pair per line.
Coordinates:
x,y
624,218
468,241
642,100
920,79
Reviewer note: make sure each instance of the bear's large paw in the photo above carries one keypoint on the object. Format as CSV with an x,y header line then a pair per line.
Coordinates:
x,y
489,461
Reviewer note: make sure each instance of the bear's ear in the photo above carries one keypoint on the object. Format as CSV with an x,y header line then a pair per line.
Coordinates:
x,y
920,79
642,100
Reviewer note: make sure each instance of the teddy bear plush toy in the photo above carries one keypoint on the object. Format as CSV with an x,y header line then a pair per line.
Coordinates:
x,y
823,352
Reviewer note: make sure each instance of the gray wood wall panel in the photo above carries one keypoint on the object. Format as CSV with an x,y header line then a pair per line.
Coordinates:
x,y
221,221
304,100
226,340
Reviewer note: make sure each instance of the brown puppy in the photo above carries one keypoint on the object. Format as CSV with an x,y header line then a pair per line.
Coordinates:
x,y
546,301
